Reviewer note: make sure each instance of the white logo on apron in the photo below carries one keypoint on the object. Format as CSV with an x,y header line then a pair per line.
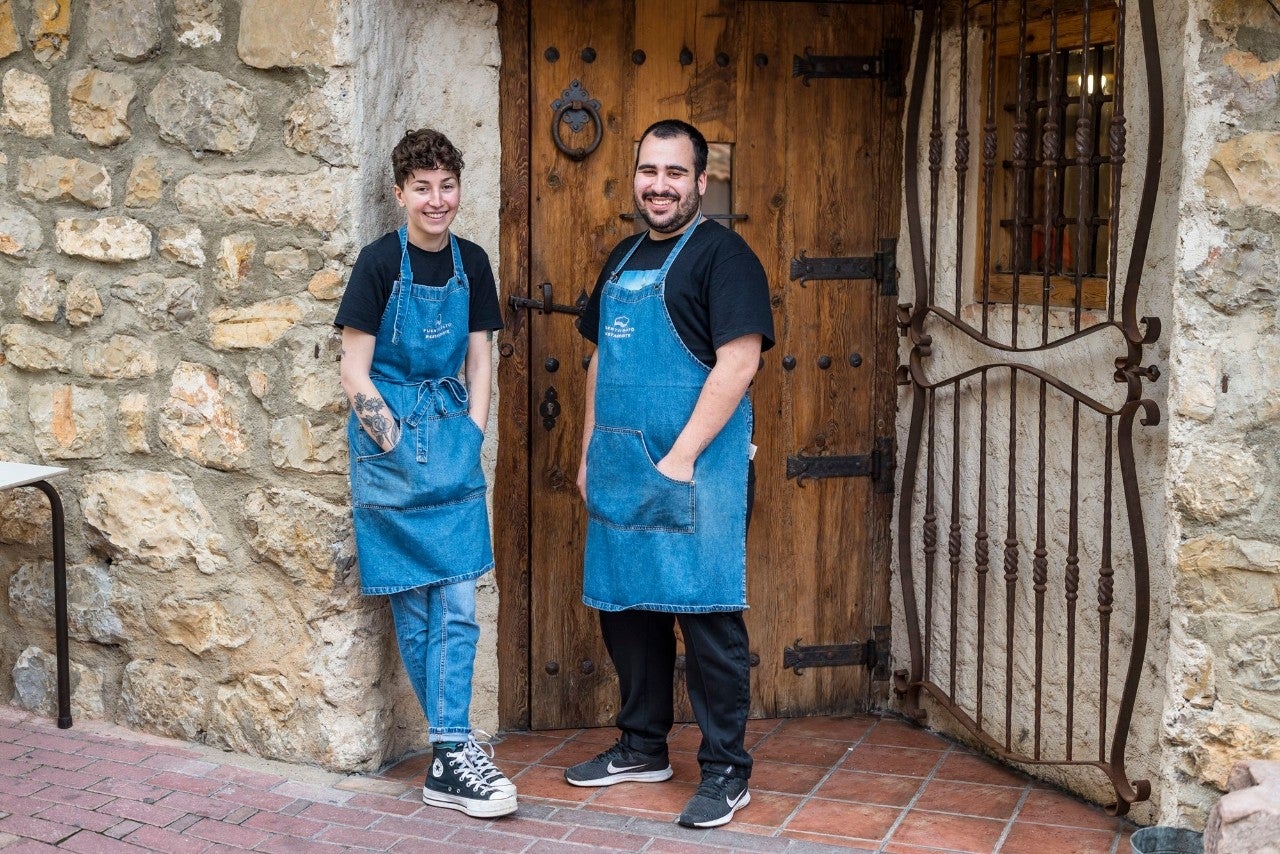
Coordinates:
x,y
620,329
439,329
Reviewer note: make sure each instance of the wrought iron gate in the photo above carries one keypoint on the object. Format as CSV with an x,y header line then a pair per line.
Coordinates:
x,y
1026,376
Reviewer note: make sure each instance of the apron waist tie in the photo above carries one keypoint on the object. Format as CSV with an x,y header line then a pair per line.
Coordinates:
x,y
431,398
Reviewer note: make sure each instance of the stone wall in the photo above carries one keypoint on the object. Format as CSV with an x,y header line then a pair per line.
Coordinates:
x,y
1223,701
185,185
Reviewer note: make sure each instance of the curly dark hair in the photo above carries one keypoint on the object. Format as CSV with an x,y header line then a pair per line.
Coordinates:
x,y
424,149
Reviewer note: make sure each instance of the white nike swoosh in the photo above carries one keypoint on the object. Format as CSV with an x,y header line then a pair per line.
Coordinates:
x,y
733,802
614,769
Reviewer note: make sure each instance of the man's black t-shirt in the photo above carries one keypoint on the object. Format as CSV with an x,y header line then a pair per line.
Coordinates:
x,y
378,267
716,289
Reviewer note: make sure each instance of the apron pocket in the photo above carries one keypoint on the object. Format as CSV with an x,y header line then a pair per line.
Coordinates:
x,y
625,489
438,462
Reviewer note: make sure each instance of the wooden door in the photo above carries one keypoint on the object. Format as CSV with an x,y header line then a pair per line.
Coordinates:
x,y
809,169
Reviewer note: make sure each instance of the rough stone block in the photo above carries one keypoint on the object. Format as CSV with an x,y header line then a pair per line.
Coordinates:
x,y
69,422
203,111
201,420
9,43
29,350
197,23
287,33
98,105
258,325
50,32
145,184
1246,820
163,699
154,519
28,108
120,357
110,239
84,304
182,243
35,685
311,200
163,303
39,295
55,178
128,30
298,444
20,232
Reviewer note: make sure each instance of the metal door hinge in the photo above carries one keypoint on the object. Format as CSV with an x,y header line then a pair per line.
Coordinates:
x,y
885,65
872,654
882,266
877,465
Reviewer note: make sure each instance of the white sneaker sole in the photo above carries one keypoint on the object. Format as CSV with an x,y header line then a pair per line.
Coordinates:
x,y
722,820
626,777
471,806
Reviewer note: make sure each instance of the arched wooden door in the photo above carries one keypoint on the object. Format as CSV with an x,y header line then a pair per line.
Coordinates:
x,y
802,104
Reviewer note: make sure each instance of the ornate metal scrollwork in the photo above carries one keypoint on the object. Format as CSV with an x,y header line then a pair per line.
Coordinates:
x,y
575,107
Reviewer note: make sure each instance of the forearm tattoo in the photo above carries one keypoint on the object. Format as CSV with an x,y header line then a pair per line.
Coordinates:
x,y
377,421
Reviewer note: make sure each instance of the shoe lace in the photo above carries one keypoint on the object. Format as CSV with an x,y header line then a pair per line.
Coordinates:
x,y
714,787
479,753
467,772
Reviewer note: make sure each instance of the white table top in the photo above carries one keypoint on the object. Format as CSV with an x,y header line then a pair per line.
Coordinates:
x,y
21,474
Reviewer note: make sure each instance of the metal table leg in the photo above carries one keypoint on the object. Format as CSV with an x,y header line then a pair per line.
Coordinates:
x,y
60,603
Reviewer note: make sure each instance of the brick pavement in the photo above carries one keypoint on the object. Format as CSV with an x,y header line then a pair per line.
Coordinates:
x,y
101,789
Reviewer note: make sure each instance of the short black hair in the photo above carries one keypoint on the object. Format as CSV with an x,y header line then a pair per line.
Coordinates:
x,y
671,128
424,149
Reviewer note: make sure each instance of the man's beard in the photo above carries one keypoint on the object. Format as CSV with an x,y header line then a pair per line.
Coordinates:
x,y
683,213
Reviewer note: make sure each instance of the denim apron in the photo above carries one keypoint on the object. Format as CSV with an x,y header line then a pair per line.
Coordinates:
x,y
652,542
419,508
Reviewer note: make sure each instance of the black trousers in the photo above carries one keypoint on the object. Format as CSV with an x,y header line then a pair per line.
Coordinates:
x,y
642,645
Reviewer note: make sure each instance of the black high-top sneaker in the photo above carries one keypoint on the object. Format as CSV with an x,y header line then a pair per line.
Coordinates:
x,y
453,783
479,749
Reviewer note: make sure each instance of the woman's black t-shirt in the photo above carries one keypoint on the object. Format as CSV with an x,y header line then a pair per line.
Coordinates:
x,y
378,267
716,289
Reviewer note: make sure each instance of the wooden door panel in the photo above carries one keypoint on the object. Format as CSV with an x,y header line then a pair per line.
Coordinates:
x,y
809,172
574,207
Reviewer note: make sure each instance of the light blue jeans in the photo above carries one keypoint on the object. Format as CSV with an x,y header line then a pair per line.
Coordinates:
x,y
437,631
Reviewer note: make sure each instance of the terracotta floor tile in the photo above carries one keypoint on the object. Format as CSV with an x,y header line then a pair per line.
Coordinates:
x,y
784,778
685,739
668,797
801,751
892,733
525,746
540,781
763,725
956,832
686,768
856,786
605,735
571,753
1047,807
840,818
849,728
858,846
1027,838
971,768
411,769
969,799
899,848
768,808
892,760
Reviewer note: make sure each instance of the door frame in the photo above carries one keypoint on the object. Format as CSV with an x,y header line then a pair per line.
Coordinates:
x,y
511,538
511,474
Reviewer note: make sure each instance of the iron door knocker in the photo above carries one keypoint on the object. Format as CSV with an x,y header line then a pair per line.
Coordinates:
x,y
575,107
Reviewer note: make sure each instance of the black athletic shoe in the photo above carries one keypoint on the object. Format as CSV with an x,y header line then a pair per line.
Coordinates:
x,y
715,802
620,764
453,783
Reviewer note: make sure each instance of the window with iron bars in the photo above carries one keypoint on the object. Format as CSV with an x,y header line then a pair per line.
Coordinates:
x,y
1051,214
